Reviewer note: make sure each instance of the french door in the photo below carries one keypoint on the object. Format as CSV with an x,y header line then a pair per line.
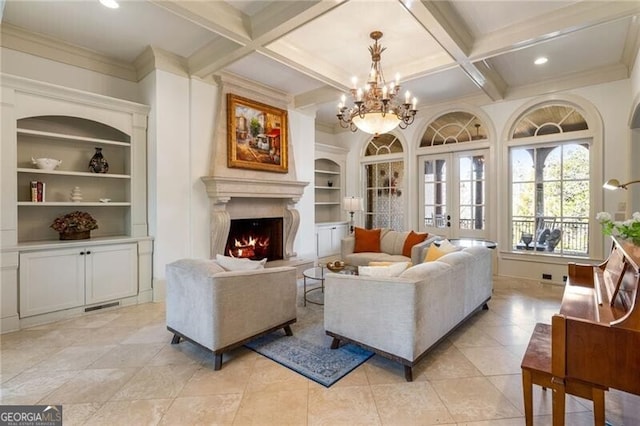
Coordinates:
x,y
453,194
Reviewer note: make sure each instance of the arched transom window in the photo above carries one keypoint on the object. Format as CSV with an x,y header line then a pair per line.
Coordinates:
x,y
548,120
452,128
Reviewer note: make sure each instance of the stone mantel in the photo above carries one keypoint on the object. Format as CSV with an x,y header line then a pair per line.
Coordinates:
x,y
222,189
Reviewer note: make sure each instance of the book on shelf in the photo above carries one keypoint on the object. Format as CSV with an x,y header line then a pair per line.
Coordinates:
x,y
38,190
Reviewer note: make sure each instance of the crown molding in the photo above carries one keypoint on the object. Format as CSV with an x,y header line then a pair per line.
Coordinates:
x,y
16,38
153,58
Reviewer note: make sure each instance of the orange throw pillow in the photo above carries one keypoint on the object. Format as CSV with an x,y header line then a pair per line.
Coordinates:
x,y
367,240
412,239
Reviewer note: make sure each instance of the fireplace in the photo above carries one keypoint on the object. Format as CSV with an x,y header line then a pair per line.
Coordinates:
x,y
256,238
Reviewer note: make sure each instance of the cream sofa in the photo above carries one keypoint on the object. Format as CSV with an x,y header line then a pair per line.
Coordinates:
x,y
391,244
220,310
401,318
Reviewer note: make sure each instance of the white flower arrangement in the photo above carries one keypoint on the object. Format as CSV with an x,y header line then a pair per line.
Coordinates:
x,y
628,229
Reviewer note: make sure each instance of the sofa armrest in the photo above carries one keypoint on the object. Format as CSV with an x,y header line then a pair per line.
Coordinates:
x,y
347,245
419,251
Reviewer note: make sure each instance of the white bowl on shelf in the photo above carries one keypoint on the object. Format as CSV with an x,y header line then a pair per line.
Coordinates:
x,y
46,163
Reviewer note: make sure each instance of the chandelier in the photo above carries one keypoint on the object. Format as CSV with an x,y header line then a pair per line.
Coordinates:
x,y
376,108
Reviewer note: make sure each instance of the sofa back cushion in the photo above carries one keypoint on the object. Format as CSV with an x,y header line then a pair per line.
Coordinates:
x,y
412,239
367,240
392,242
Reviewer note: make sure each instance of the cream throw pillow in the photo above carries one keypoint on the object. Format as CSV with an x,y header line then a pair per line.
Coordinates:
x,y
446,246
239,264
393,270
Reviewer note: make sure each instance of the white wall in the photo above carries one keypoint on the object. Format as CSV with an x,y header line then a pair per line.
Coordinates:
x,y
40,69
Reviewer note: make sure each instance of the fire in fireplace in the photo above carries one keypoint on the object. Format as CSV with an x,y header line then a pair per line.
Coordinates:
x,y
255,238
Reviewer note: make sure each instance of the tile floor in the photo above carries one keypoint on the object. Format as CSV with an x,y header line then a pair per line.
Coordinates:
x,y
117,367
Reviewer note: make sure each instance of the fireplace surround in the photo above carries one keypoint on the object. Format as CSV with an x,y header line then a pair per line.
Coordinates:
x,y
236,193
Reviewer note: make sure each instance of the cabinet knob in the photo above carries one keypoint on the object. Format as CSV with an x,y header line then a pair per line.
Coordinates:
x,y
88,251
81,253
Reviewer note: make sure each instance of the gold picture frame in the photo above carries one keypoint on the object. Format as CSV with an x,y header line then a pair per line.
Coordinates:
x,y
256,135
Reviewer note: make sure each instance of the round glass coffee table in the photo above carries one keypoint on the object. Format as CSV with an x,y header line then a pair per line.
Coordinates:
x,y
319,273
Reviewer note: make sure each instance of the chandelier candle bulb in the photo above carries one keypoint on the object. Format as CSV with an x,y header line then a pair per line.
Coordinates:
x,y
384,92
407,97
415,102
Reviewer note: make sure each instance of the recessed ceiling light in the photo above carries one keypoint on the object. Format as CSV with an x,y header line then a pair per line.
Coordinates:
x,y
111,4
541,60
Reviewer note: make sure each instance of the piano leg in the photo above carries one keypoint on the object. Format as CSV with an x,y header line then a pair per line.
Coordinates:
x,y
558,402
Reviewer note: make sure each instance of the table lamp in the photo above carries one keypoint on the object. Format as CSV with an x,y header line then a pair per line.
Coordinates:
x,y
352,205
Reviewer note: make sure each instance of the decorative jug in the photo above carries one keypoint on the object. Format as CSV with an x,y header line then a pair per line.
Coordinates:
x,y
98,164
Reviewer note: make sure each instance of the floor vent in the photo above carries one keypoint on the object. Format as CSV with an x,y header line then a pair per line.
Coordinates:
x,y
106,305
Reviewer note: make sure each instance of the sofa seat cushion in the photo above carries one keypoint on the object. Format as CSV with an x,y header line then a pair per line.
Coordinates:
x,y
363,259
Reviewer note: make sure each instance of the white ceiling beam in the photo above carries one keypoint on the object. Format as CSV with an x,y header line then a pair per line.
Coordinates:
x,y
631,44
574,17
439,19
271,24
215,16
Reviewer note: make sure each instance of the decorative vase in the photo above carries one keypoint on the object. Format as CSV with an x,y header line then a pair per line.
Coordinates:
x,y
81,235
76,195
98,164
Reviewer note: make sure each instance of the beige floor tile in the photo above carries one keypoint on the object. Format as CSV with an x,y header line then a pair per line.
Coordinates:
x,y
203,410
410,404
468,337
474,399
383,371
493,360
285,407
352,405
90,386
270,376
181,354
73,358
14,361
510,334
444,362
135,412
123,356
31,387
78,414
156,382
153,333
516,421
231,378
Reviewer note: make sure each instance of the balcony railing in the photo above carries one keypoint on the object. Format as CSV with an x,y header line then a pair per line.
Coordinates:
x,y
574,239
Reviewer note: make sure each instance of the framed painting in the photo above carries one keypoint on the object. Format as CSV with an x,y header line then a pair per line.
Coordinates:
x,y
256,135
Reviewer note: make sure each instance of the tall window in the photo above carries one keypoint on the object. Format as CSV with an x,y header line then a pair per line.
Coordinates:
x,y
384,177
550,184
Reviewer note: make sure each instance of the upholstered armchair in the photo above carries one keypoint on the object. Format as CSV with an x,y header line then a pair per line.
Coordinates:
x,y
220,310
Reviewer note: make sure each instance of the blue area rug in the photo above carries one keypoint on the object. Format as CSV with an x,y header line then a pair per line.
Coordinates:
x,y
320,364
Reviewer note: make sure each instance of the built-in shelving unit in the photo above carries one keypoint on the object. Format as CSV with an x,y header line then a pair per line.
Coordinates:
x,y
328,190
45,278
72,141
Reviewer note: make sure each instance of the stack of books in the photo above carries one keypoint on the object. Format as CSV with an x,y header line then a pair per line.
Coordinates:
x,y
37,191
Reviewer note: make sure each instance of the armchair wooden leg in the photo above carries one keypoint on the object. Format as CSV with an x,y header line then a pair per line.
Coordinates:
x,y
527,391
408,373
335,343
175,340
217,365
287,330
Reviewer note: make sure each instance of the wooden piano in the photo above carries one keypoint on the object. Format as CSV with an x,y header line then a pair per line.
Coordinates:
x,y
596,336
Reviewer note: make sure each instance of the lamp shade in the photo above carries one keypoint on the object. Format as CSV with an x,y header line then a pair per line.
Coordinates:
x,y
611,184
352,204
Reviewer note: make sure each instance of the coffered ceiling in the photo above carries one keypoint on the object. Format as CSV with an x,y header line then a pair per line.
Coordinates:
x,y
444,51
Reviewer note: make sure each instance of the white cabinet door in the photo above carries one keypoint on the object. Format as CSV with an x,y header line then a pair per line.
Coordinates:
x,y
111,272
339,232
323,241
51,280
